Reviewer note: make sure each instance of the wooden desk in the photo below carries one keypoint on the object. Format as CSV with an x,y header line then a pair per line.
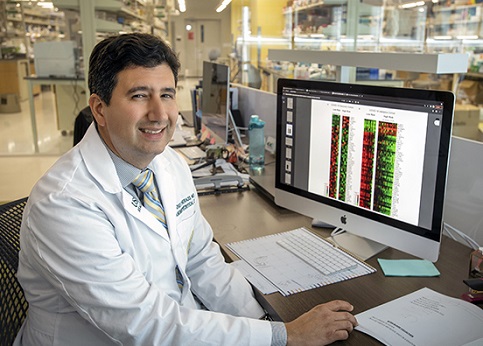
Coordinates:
x,y
245,215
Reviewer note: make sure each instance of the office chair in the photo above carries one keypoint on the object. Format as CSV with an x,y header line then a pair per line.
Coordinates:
x,y
82,122
13,305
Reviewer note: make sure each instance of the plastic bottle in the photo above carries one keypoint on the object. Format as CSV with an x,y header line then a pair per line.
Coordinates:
x,y
290,70
256,136
476,263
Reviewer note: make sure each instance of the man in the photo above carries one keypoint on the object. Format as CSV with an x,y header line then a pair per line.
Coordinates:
x,y
99,268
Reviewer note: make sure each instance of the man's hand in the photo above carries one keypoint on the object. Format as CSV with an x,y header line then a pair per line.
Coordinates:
x,y
322,325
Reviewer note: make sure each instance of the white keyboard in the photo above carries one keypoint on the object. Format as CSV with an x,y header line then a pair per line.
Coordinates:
x,y
318,253
193,153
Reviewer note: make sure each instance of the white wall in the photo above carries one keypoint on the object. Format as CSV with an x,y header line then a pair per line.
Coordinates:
x,y
204,9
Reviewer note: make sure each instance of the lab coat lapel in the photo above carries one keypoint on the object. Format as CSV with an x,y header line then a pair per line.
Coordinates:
x,y
94,151
134,207
167,187
98,162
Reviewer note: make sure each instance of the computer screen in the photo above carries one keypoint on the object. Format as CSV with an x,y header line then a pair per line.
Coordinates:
x,y
370,160
215,99
196,94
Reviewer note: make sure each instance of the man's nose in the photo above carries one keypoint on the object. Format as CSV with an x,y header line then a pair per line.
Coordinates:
x,y
158,110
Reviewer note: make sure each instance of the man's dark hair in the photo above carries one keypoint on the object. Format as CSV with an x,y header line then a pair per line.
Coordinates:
x,y
116,53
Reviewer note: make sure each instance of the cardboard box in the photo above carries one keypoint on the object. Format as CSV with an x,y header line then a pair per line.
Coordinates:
x,y
466,121
9,103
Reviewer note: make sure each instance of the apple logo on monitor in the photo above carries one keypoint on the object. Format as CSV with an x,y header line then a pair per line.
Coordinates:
x,y
343,219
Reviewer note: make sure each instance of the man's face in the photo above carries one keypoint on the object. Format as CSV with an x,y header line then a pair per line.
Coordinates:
x,y
142,115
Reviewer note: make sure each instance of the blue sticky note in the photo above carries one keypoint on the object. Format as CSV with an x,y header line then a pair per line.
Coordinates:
x,y
408,267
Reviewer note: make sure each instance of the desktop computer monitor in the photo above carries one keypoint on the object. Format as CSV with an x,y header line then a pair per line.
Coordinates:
x,y
369,160
196,94
215,99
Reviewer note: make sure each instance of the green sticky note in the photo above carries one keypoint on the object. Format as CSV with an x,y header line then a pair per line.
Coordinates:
x,y
409,267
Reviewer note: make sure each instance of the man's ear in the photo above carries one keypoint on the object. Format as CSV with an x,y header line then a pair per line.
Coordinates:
x,y
97,108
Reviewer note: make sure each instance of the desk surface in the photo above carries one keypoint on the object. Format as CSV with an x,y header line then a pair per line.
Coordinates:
x,y
245,215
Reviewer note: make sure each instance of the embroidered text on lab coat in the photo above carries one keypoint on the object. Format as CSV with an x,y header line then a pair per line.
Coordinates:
x,y
185,204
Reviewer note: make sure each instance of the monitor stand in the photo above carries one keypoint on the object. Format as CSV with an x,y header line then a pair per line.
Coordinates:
x,y
361,247
233,130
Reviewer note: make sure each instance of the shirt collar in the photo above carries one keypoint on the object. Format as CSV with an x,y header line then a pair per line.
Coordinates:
x,y
125,171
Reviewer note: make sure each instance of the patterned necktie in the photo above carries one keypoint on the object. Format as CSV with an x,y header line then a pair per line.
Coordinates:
x,y
145,183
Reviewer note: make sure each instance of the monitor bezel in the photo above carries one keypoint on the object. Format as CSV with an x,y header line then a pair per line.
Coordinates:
x,y
335,211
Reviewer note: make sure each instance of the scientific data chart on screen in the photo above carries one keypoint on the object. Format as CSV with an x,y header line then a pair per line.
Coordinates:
x,y
363,150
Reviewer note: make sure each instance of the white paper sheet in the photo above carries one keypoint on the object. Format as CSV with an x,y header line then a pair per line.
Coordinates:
x,y
255,278
424,318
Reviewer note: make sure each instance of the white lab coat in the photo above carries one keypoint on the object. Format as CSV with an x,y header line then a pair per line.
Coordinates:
x,y
97,267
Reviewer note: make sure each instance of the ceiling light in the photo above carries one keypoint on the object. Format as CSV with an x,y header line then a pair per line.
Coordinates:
x,y
413,4
182,5
223,4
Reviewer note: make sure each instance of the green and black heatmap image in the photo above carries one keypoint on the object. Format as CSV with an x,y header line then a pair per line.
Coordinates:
x,y
377,163
334,156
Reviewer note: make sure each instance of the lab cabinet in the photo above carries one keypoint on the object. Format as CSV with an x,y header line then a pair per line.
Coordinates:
x,y
22,23
331,25
455,22
13,73
116,15
375,25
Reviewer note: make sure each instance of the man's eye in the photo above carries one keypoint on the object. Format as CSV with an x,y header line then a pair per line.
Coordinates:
x,y
169,96
139,96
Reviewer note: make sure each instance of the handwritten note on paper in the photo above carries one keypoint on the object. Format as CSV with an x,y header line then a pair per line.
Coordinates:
x,y
424,318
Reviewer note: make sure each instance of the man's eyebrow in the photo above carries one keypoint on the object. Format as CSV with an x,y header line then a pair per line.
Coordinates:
x,y
138,88
169,90
145,88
